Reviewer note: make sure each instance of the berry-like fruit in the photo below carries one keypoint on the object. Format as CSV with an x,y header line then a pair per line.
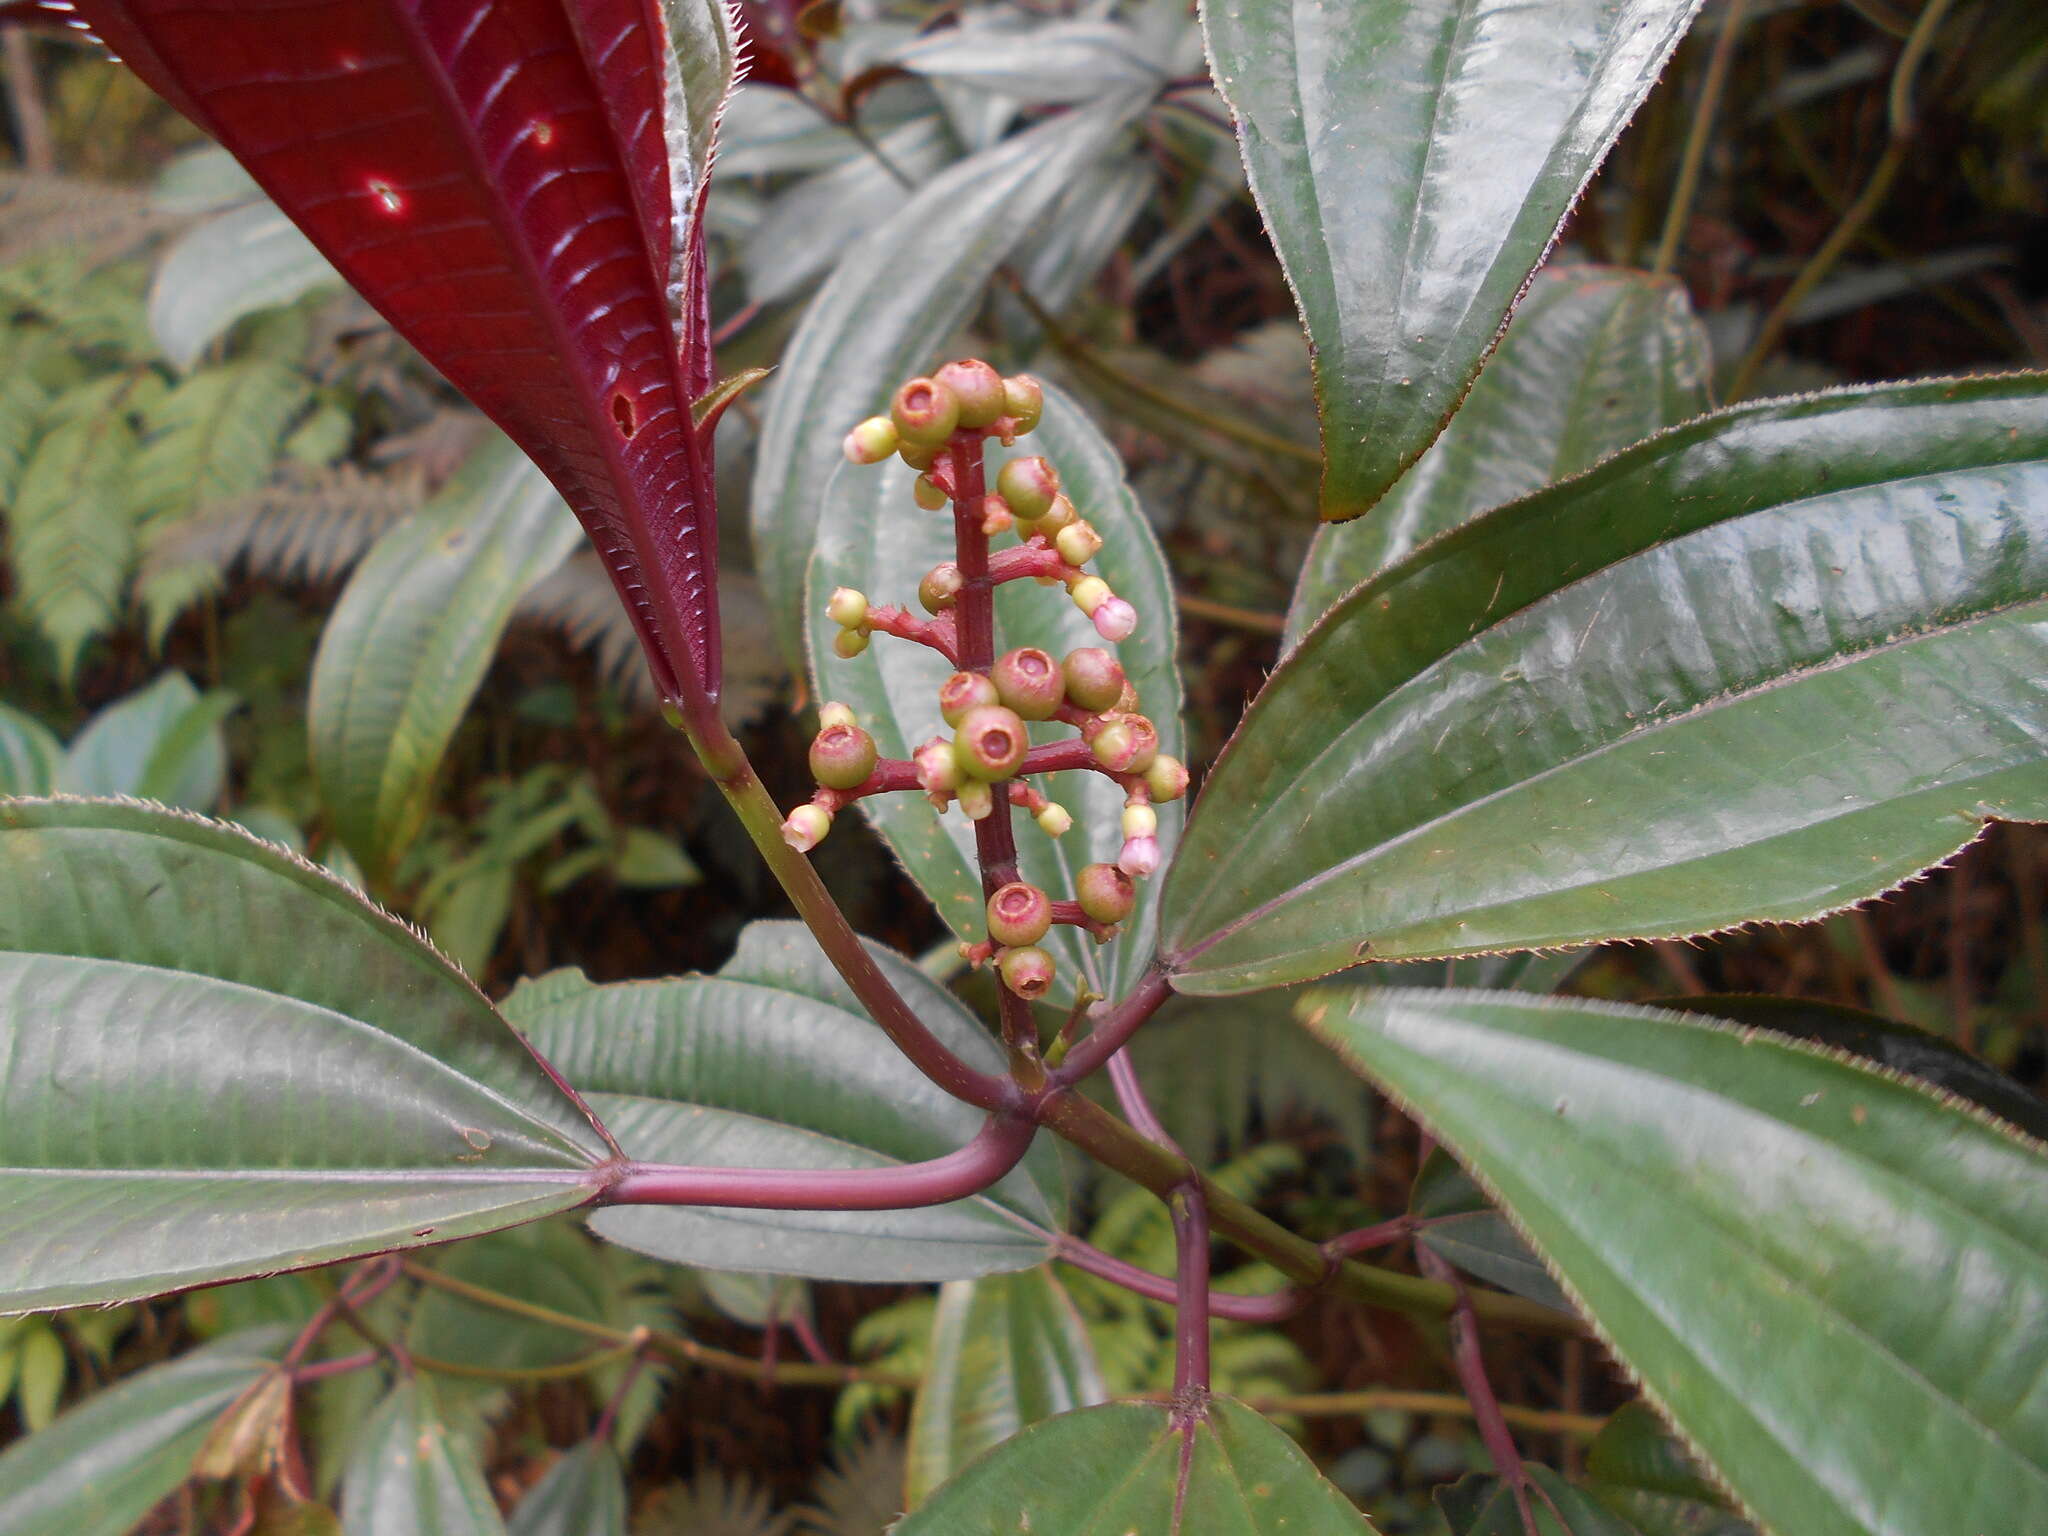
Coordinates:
x,y
1028,971
1078,542
832,712
805,827
842,756
925,413
848,607
1059,516
872,441
1105,893
964,691
1114,744
1145,735
1029,681
1023,401
976,799
918,455
1115,620
938,771
926,494
849,643
1029,486
1019,914
1140,821
991,743
940,588
1094,679
978,388
1055,821
1167,778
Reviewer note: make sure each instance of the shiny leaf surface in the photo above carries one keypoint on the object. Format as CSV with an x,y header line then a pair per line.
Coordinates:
x,y
1766,664
1807,1263
1595,359
106,1463
411,638
1006,1351
409,1476
769,1065
1114,1471
1413,159
1466,1229
517,187
359,1093
875,539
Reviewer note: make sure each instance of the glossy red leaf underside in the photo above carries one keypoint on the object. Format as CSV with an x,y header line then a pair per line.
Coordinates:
x,y
494,176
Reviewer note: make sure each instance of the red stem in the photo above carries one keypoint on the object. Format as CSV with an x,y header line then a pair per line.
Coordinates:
x,y
1114,1028
1189,1208
1227,1305
1494,1433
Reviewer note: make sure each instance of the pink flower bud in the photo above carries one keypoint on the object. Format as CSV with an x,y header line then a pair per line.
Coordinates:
x,y
938,772
805,827
978,388
1027,971
964,691
1029,681
991,742
1029,486
925,412
872,441
1114,619
1140,857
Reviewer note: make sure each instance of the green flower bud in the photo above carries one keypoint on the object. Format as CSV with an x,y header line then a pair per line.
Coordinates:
x,y
1090,593
1114,746
1140,821
832,712
1078,543
1167,778
872,441
926,413
926,494
1019,914
918,456
1094,679
991,743
842,756
1061,514
1029,486
1023,400
1145,737
965,691
978,387
977,799
1105,893
1055,821
1028,971
940,588
849,643
1028,680
805,827
848,607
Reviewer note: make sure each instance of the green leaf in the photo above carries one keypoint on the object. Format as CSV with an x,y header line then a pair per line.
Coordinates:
x,y
1637,1469
358,1093
247,259
162,742
650,860
1763,665
41,1367
413,635
1113,1471
1058,61
31,757
1413,160
215,436
584,1494
1834,1281
771,1065
1006,1351
1481,1504
874,539
411,1477
1467,1230
1595,359
892,301
105,1464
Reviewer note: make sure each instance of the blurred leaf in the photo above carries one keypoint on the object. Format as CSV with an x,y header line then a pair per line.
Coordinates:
x,y
31,757
1413,160
1640,1472
1771,1238
359,1094
411,1477
1481,1504
1057,61
162,742
1006,1351
247,259
650,860
873,539
584,1494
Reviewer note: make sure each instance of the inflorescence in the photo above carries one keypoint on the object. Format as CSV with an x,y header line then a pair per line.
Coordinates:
x,y
938,426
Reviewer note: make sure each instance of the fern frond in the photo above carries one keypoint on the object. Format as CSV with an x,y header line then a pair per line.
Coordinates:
x,y
713,1503
215,436
96,219
96,309
860,1493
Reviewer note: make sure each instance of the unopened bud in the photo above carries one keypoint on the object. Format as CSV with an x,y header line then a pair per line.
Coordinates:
x,y
978,388
848,607
1028,971
925,412
1167,778
926,494
842,756
1029,486
1094,679
977,799
805,827
1105,893
991,743
849,643
1023,400
1055,821
940,588
1089,594
1078,543
1115,619
918,456
1019,914
1029,681
1114,745
1060,515
832,712
1140,821
1140,857
872,441
938,772
964,691
1146,735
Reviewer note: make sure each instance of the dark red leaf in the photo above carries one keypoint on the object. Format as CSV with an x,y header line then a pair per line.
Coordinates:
x,y
494,176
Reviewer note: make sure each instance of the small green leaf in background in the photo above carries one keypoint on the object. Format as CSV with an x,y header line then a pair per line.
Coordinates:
x,y
359,1093
1413,160
31,757
249,258
1774,1239
890,304
876,540
770,1065
1595,359
1641,1473
1465,1229
413,635
1763,665
583,1494
162,742
105,1464
1006,1351
410,1476
1481,1504
1115,1469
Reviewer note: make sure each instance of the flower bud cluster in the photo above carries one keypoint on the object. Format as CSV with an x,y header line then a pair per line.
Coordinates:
x,y
934,424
